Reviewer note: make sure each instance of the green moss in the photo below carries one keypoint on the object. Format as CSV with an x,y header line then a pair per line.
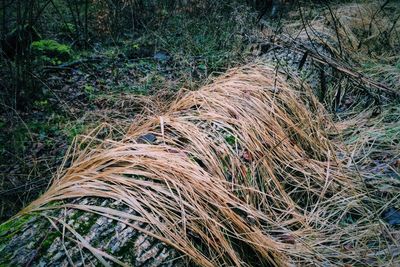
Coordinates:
x,y
126,252
49,240
14,224
76,215
85,226
230,139
9,228
51,45
51,51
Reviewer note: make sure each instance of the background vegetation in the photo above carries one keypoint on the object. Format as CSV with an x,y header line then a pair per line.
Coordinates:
x,y
79,74
68,66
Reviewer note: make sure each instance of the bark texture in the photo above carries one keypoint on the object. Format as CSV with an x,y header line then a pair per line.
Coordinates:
x,y
32,240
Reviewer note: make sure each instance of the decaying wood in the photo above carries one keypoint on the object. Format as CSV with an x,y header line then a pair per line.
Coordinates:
x,y
43,240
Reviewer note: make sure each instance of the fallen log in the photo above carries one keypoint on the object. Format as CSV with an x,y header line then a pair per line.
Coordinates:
x,y
240,172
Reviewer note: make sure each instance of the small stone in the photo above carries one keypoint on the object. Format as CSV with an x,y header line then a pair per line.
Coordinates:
x,y
147,139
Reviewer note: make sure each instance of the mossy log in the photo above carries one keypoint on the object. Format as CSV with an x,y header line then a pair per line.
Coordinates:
x,y
46,239
42,240
62,237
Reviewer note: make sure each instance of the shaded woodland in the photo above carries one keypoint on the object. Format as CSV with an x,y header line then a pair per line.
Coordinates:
x,y
210,133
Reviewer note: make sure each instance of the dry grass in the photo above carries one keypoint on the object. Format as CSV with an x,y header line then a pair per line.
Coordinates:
x,y
242,173
368,25
350,27
364,35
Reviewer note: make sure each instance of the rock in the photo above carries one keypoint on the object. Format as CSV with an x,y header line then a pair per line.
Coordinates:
x,y
147,139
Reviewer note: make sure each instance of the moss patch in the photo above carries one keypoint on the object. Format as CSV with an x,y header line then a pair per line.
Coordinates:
x,y
14,225
49,240
51,51
231,140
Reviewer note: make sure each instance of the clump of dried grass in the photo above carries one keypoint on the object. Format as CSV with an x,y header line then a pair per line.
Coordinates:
x,y
365,35
369,25
241,173
373,144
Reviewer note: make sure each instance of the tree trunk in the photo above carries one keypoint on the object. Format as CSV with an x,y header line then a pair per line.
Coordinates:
x,y
33,240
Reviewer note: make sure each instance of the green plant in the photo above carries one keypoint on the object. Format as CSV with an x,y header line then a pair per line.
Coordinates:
x,y
216,40
74,129
51,51
90,91
68,28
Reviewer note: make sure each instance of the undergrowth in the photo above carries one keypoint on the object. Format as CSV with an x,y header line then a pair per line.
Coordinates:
x,y
82,88
314,177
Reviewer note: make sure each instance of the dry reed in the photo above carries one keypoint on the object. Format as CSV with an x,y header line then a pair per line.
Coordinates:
x,y
240,173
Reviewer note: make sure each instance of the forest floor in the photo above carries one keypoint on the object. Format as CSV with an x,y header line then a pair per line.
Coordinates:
x,y
304,136
111,83
116,82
